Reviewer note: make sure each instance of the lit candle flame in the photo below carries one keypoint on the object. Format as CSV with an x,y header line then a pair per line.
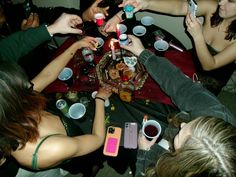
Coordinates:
x,y
118,30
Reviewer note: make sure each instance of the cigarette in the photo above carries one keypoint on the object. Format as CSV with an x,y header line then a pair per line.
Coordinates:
x,y
176,47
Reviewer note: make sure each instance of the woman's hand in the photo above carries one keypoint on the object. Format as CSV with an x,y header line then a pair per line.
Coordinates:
x,y
194,26
88,14
31,22
135,46
104,92
88,41
138,4
111,24
145,144
66,23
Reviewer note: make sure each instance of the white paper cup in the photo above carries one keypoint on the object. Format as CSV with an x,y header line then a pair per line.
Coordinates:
x,y
139,30
161,45
66,76
123,28
147,21
100,42
93,95
77,111
151,129
100,46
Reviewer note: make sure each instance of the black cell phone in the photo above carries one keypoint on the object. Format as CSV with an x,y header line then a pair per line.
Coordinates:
x,y
192,7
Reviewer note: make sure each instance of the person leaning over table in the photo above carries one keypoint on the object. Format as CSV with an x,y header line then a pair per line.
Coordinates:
x,y
205,144
37,138
20,43
214,40
13,19
12,22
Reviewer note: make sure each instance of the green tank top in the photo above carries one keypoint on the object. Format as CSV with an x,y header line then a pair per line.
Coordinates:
x,y
71,130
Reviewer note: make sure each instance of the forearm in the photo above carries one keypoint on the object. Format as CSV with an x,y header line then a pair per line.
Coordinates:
x,y
99,121
187,95
206,59
20,43
173,7
52,70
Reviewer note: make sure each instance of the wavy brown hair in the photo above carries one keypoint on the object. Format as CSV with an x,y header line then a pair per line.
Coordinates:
x,y
209,152
20,109
231,31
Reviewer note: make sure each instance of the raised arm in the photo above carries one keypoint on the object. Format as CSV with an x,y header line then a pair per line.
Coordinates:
x,y
187,95
63,147
20,43
52,70
171,7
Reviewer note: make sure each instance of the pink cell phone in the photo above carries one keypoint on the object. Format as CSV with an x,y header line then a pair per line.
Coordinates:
x,y
112,142
131,135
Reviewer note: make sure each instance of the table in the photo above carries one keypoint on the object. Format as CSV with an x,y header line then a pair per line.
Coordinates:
x,y
144,101
181,59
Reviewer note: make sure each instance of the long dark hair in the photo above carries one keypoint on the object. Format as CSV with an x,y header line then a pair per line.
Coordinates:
x,y
20,109
231,31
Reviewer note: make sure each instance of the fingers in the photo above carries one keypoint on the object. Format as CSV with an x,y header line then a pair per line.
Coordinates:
x,y
95,4
153,141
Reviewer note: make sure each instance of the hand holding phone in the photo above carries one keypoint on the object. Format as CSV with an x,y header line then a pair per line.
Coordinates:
x,y
192,7
112,141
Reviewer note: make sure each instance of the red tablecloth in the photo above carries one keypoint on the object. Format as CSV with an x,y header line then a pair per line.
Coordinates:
x,y
150,91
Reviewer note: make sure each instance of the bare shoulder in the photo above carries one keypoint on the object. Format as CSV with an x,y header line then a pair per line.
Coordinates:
x,y
57,149
51,152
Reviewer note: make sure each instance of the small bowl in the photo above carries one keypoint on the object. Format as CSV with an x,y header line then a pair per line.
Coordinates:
x,y
139,30
130,61
147,21
123,28
77,111
161,45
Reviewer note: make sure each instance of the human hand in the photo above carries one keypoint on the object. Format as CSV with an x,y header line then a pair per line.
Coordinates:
x,y
111,24
66,23
89,42
135,46
104,92
144,143
138,4
194,26
31,22
88,14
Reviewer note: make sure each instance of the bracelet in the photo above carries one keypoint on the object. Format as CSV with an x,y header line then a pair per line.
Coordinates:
x,y
97,97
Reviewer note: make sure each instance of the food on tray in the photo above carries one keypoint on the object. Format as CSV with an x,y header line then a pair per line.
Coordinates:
x,y
125,95
114,74
120,66
128,73
124,75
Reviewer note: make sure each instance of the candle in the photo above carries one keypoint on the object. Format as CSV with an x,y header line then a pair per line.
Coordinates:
x,y
175,47
118,31
113,50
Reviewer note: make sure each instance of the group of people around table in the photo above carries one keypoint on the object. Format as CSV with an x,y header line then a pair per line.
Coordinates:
x,y
204,143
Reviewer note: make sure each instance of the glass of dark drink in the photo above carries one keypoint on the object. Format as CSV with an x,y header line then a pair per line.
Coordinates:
x,y
151,129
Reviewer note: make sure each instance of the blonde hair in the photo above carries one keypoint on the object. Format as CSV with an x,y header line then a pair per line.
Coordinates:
x,y
210,151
